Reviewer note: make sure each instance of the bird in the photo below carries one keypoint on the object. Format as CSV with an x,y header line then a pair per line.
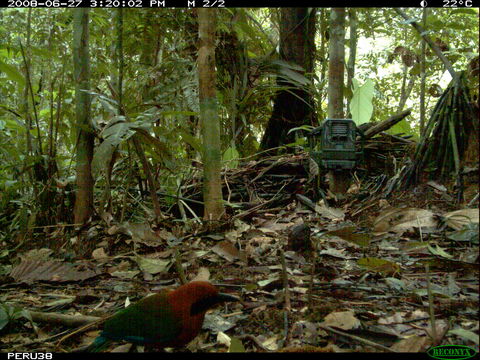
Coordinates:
x,y
169,318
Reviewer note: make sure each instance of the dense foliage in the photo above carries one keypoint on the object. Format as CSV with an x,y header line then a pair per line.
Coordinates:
x,y
160,90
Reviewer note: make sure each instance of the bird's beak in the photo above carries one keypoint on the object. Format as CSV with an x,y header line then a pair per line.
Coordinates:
x,y
226,297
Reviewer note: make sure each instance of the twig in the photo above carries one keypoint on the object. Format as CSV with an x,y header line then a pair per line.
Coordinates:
x,y
228,188
288,305
470,204
312,275
54,226
362,209
356,338
83,328
40,341
431,311
249,211
264,171
255,340
197,219
179,267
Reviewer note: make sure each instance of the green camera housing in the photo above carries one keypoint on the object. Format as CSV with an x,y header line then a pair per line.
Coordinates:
x,y
334,145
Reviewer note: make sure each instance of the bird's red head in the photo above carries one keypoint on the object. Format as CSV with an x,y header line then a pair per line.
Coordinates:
x,y
194,291
190,302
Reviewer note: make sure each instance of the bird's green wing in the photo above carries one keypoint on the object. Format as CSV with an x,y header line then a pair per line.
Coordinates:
x,y
151,320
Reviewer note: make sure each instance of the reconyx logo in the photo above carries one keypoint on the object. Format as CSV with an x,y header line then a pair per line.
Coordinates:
x,y
448,352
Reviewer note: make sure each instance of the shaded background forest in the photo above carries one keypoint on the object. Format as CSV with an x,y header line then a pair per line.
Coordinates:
x,y
160,96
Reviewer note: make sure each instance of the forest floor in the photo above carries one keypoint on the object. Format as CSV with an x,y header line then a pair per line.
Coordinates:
x,y
366,273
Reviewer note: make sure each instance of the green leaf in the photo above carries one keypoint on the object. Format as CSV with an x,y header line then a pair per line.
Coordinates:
x,y
465,11
4,318
303,127
42,52
361,105
293,76
437,250
191,140
236,345
465,334
402,127
12,73
379,265
230,157
468,233
288,65
103,155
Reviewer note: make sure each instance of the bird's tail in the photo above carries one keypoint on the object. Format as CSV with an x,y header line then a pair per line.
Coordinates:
x,y
98,345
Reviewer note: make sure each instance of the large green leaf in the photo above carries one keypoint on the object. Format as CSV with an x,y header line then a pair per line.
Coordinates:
x,y
113,136
191,140
293,76
230,158
12,73
361,105
402,127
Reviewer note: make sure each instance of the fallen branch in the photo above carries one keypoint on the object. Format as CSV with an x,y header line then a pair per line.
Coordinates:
x,y
386,124
356,338
62,319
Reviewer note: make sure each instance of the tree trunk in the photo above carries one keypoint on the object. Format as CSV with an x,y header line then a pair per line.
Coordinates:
x,y
212,187
81,64
338,180
323,58
336,63
295,107
353,52
422,74
406,93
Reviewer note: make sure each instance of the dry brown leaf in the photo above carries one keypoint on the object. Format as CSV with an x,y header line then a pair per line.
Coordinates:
x,y
228,251
458,219
344,320
401,220
412,344
99,254
52,270
202,275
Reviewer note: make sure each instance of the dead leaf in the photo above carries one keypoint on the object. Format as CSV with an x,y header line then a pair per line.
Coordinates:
x,y
414,344
329,212
202,275
99,254
122,348
125,274
228,251
458,219
385,267
401,220
271,343
350,234
223,339
344,320
42,254
336,253
52,270
139,232
152,266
